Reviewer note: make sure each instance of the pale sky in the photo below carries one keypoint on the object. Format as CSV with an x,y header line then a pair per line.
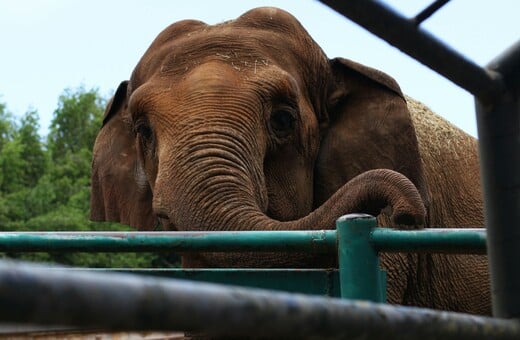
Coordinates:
x,y
49,45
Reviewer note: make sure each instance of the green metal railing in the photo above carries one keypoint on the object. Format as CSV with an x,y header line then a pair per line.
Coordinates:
x,y
223,241
356,241
85,297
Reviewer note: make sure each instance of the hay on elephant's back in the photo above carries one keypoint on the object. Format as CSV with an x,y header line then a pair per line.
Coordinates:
x,y
436,134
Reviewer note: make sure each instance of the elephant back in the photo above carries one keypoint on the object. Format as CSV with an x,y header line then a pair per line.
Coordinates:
x,y
451,164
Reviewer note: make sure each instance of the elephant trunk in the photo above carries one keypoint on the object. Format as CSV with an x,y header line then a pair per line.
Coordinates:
x,y
225,191
236,209
369,193
210,181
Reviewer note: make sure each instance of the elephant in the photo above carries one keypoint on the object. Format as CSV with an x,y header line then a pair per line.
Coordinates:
x,y
248,125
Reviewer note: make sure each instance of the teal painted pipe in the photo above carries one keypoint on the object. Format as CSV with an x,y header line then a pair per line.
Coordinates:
x,y
324,282
359,273
383,239
456,241
314,241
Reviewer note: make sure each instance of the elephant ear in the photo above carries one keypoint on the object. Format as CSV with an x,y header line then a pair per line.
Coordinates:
x,y
120,190
368,127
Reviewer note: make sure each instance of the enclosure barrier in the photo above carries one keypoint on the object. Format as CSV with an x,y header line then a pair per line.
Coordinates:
x,y
438,240
356,243
497,95
32,294
129,302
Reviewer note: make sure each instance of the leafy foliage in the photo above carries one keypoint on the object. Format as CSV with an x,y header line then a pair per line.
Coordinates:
x,y
6,125
32,151
75,123
45,182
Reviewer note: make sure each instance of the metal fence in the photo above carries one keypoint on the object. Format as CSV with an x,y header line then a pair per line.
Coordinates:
x,y
85,298
356,243
497,91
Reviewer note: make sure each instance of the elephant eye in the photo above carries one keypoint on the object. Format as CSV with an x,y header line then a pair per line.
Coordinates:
x,y
144,133
282,122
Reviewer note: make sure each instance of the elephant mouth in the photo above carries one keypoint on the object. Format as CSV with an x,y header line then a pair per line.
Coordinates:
x,y
164,223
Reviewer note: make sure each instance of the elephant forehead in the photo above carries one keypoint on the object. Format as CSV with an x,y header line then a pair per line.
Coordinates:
x,y
213,75
221,76
244,44
242,49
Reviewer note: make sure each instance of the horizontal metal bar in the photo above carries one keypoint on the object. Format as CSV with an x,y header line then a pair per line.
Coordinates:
x,y
431,240
287,241
323,282
321,241
130,302
402,33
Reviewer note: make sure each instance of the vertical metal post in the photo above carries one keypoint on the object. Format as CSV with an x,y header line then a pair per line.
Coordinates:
x,y
499,142
359,273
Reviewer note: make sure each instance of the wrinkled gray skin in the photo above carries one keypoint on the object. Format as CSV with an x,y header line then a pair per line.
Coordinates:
x,y
248,125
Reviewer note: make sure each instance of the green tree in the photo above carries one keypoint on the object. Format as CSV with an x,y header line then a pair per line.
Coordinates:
x,y
22,163
12,166
7,127
10,163
73,130
32,152
76,122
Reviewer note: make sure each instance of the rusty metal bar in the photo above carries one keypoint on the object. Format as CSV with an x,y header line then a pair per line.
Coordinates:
x,y
498,125
128,302
405,35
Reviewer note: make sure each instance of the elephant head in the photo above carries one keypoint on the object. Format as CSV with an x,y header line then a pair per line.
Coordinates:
x,y
248,125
